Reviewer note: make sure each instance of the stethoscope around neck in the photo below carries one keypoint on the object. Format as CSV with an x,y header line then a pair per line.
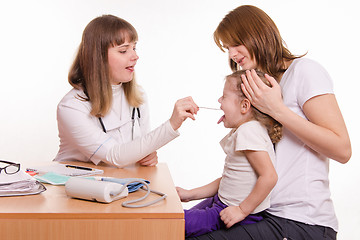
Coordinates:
x,y
132,119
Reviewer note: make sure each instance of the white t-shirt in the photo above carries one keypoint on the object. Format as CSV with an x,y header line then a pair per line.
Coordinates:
x,y
302,191
239,178
82,137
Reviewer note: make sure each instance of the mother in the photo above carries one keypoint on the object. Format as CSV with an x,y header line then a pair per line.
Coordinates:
x,y
303,101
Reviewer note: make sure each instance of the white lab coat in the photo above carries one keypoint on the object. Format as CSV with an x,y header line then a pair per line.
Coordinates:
x,y
82,137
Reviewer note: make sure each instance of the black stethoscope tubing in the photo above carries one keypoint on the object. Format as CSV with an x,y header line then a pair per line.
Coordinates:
x,y
132,118
133,113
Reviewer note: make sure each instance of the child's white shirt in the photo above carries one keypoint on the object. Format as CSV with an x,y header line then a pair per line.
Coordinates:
x,y
239,178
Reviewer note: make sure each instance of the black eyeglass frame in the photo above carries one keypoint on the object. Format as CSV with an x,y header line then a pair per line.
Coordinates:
x,y
10,164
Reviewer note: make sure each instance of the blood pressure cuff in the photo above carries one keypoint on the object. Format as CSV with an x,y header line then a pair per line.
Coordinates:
x,y
57,179
132,187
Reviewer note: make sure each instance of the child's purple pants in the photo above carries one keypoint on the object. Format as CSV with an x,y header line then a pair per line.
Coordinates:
x,y
204,217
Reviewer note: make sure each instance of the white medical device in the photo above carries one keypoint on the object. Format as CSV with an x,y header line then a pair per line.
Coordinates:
x,y
107,192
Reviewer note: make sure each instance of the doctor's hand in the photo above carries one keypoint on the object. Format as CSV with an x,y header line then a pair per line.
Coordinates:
x,y
183,109
150,160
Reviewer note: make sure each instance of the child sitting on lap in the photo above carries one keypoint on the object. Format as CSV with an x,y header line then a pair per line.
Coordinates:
x,y
242,193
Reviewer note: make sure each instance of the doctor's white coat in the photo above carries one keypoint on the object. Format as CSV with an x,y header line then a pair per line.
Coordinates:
x,y
82,137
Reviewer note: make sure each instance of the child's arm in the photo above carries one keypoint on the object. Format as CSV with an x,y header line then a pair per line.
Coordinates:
x,y
206,191
267,178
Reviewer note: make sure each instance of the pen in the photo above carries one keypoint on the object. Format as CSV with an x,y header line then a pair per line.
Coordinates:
x,y
78,167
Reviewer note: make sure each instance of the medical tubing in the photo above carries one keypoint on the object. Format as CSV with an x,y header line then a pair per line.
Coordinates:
x,y
162,196
148,190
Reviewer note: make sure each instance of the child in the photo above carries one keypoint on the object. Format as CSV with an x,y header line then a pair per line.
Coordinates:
x,y
242,193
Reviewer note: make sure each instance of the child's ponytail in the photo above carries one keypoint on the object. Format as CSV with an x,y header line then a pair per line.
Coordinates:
x,y
273,127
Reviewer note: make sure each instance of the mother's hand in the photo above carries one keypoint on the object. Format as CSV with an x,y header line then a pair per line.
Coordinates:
x,y
266,99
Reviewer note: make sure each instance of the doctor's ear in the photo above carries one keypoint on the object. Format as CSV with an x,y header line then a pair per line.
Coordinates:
x,y
245,105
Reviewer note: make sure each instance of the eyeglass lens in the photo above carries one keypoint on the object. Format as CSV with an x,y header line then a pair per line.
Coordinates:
x,y
12,168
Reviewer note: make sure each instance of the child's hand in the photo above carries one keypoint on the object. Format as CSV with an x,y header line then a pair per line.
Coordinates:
x,y
183,109
184,194
232,215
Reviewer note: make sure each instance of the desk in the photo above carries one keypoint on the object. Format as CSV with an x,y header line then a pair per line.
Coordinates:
x,y
53,215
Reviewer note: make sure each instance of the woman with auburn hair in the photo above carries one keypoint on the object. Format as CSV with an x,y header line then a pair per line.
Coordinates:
x,y
303,101
105,116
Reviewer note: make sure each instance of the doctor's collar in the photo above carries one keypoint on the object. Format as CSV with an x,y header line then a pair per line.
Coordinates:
x,y
116,87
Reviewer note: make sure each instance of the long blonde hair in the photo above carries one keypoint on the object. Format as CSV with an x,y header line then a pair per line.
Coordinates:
x,y
273,127
252,27
90,69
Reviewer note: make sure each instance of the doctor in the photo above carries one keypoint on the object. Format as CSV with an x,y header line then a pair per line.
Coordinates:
x,y
105,117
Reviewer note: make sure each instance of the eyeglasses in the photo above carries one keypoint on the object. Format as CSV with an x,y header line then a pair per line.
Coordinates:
x,y
11,168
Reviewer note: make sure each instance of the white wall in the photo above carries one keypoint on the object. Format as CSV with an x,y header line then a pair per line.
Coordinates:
x,y
178,58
